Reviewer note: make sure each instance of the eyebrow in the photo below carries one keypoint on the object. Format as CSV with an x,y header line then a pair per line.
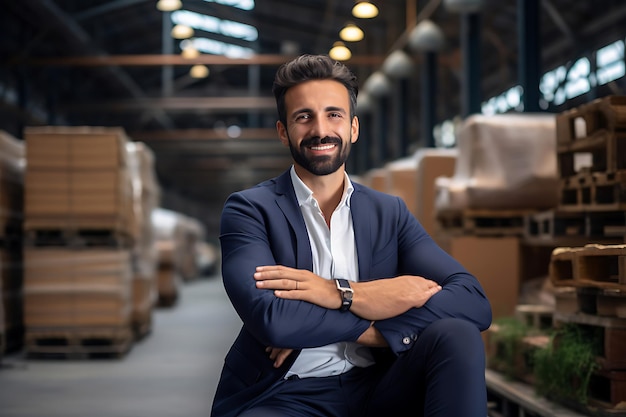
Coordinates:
x,y
327,109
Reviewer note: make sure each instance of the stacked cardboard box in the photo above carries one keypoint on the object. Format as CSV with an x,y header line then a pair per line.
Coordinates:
x,y
77,178
78,284
68,287
11,214
413,180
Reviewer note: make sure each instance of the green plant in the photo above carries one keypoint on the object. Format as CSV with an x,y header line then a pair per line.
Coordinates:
x,y
508,342
563,368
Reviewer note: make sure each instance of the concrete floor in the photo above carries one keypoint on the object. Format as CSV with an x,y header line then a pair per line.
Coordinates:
x,y
172,372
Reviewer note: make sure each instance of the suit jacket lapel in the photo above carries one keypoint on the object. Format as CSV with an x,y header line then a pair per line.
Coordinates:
x,y
362,231
288,204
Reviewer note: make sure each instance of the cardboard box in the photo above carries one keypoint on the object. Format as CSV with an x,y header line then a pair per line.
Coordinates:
x,y
60,147
430,166
69,307
92,268
496,263
75,193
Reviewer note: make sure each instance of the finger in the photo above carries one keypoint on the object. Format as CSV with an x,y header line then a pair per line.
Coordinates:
x,y
282,356
277,284
270,268
288,294
274,353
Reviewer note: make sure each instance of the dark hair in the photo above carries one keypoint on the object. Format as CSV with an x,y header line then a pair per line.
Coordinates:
x,y
312,67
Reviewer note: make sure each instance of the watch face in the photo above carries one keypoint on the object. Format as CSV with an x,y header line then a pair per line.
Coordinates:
x,y
343,284
348,295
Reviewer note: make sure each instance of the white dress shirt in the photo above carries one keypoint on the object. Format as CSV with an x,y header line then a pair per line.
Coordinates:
x,y
334,256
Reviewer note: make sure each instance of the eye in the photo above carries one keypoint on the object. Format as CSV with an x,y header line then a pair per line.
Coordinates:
x,y
302,117
335,115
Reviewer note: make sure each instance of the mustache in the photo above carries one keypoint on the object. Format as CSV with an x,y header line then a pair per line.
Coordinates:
x,y
316,140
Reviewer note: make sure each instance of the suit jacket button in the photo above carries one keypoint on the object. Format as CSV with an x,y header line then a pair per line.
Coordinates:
x,y
406,340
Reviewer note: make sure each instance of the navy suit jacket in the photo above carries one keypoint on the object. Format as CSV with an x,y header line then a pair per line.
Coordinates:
x,y
264,226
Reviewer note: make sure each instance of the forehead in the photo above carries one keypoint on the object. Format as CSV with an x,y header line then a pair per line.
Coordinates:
x,y
319,93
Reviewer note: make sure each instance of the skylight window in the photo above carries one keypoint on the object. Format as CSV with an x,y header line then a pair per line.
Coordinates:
x,y
610,62
214,25
239,4
211,46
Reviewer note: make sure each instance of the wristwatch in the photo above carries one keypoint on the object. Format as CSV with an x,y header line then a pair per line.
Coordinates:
x,y
343,285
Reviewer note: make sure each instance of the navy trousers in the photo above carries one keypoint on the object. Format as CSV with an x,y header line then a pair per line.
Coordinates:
x,y
443,375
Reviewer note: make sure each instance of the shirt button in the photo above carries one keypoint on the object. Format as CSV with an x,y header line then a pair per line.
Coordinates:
x,y
406,340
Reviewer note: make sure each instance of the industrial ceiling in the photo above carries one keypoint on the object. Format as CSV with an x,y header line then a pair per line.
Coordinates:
x,y
114,63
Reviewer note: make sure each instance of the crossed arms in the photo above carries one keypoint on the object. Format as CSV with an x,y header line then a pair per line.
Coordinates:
x,y
257,234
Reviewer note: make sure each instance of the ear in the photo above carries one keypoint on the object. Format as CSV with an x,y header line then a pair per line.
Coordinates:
x,y
282,133
355,129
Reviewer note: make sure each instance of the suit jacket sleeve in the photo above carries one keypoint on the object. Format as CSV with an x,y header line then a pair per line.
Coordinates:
x,y
256,230
401,246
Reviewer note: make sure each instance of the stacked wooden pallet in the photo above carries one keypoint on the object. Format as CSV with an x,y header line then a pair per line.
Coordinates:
x,y
591,157
593,296
80,227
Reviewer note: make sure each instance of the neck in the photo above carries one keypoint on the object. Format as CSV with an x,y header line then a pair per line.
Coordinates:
x,y
327,189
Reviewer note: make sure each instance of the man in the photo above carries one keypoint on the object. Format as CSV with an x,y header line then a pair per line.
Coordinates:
x,y
349,308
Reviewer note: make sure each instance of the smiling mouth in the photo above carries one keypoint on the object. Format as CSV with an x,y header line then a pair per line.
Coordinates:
x,y
322,147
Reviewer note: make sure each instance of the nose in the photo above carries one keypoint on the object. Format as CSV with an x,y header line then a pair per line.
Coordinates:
x,y
320,127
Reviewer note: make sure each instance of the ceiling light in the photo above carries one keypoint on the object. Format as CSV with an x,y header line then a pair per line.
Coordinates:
x,y
169,5
426,36
364,10
377,85
199,71
351,33
463,6
182,32
190,52
340,52
398,65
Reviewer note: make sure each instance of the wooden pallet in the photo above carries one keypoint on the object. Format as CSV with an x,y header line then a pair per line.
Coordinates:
x,y
607,390
602,114
597,191
574,228
597,266
603,152
538,317
612,332
76,343
77,238
477,222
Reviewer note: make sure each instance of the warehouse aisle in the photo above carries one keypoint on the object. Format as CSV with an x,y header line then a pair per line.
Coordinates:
x,y
172,372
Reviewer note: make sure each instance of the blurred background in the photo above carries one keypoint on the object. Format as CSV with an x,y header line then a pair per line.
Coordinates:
x,y
125,124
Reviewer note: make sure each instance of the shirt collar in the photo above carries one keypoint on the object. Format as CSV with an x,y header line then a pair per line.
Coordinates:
x,y
305,195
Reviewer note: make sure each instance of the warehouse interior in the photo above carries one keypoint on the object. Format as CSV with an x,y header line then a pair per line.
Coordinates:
x,y
502,125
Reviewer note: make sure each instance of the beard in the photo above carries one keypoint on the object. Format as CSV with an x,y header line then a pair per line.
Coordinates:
x,y
320,165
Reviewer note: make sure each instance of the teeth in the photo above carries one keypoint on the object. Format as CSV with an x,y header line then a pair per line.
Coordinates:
x,y
322,148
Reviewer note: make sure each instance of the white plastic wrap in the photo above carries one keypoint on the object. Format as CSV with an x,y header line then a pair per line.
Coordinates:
x,y
504,162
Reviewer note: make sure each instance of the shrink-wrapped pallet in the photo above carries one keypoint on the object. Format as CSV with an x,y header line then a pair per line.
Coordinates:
x,y
505,162
146,194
